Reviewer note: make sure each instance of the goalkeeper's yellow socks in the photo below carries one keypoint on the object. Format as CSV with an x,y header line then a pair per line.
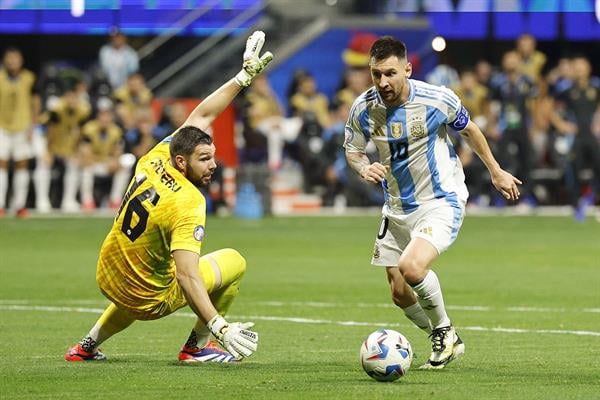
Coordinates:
x,y
112,321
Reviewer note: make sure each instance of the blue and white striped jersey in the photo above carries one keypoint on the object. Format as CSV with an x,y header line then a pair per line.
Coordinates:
x,y
413,143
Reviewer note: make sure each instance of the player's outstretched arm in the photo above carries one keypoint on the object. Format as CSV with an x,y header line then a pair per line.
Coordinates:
x,y
253,64
374,173
236,338
504,182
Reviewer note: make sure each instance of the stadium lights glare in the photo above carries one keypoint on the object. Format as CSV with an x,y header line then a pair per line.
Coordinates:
x,y
438,43
77,8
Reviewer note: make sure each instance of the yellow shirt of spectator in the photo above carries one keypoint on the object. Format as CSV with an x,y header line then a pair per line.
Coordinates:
x,y
161,212
16,101
532,66
103,141
123,95
346,96
64,127
317,104
473,100
263,107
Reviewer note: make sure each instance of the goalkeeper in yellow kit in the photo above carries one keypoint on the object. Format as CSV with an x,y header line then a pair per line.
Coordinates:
x,y
150,264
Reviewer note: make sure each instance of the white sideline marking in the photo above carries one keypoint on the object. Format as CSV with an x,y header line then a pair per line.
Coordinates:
x,y
519,330
49,357
468,308
449,307
536,309
357,323
17,307
319,304
14,301
357,305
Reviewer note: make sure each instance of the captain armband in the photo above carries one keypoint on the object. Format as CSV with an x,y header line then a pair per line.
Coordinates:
x,y
462,119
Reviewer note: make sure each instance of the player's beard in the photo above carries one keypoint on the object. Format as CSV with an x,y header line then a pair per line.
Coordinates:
x,y
199,180
390,97
394,96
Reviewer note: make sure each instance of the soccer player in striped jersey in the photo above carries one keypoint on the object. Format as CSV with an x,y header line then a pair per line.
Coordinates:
x,y
423,181
150,265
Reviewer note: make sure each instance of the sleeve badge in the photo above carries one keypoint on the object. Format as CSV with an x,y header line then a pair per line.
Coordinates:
x,y
199,233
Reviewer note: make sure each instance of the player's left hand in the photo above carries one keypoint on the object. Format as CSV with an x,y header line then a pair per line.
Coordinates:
x,y
373,173
254,63
236,338
506,184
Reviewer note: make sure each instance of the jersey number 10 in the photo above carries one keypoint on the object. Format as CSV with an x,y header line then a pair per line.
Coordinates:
x,y
398,150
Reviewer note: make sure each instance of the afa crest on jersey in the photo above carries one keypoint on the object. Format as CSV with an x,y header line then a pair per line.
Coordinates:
x,y
416,127
417,131
396,129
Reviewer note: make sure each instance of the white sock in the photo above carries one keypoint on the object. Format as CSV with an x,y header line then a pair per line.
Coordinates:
x,y
41,180
431,300
417,315
3,187
70,183
21,188
87,185
119,184
274,149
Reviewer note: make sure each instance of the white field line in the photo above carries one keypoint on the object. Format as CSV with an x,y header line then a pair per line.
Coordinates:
x,y
319,304
49,357
19,307
313,304
538,309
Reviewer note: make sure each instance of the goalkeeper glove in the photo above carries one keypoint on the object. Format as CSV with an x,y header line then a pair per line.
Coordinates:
x,y
235,337
253,63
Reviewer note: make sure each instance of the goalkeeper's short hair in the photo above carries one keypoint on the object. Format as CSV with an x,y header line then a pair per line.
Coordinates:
x,y
186,139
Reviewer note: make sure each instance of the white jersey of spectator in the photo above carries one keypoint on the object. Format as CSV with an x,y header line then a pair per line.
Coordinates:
x,y
413,144
443,75
118,63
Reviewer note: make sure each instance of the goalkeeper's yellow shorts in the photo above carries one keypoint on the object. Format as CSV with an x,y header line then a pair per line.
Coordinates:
x,y
218,270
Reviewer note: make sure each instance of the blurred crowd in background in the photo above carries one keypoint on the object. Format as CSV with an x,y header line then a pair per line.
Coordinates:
x,y
73,137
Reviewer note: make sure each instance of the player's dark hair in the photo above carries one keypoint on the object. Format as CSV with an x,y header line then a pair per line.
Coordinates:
x,y
11,49
387,46
186,139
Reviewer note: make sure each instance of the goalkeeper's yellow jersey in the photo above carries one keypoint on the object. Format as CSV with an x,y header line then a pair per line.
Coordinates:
x,y
161,212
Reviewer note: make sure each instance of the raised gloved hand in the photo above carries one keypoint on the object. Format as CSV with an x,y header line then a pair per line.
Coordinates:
x,y
253,62
236,337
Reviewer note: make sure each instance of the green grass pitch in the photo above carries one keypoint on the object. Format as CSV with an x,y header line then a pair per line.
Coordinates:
x,y
523,293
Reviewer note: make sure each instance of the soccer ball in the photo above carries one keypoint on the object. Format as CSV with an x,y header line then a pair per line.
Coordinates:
x,y
386,355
